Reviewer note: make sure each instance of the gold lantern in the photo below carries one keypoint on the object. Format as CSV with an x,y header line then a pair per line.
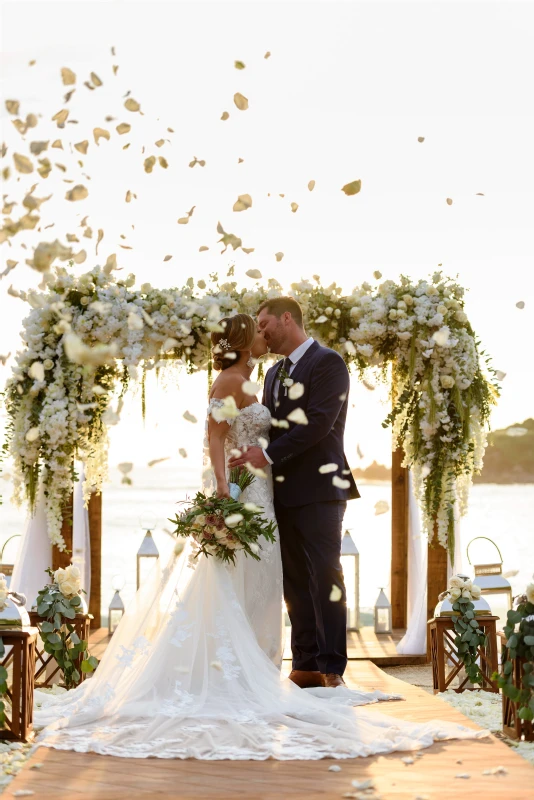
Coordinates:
x,y
383,618
350,564
148,549
493,585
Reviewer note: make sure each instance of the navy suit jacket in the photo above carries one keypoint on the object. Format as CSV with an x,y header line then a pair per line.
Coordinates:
x,y
298,452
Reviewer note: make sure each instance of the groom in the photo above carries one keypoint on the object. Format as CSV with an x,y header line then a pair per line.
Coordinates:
x,y
310,500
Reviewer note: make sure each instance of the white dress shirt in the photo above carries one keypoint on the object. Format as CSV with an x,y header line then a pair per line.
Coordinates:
x,y
294,357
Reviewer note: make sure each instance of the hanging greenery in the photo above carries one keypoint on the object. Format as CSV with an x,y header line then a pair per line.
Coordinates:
x,y
87,333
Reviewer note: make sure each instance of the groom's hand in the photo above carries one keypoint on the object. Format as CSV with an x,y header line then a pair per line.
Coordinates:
x,y
252,455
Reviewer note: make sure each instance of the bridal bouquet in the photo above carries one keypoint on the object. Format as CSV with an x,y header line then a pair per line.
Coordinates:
x,y
220,525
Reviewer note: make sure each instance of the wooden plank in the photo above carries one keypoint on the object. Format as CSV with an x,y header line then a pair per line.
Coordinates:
x,y
95,535
436,577
399,540
66,774
59,558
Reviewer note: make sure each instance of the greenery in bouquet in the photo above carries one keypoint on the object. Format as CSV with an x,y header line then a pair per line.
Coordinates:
x,y
220,526
469,636
520,644
57,604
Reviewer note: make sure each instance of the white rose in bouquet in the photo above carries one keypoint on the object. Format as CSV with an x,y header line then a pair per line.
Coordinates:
x,y
466,593
455,594
456,582
530,593
475,592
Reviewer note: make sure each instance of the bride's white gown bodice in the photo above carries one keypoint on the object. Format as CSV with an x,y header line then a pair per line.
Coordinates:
x,y
192,670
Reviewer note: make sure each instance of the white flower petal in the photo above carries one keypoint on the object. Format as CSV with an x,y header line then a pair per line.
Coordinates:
x,y
189,417
295,391
251,388
324,469
298,417
341,483
336,594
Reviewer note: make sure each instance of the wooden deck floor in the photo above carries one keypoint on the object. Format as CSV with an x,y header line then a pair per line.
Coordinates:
x,y
66,775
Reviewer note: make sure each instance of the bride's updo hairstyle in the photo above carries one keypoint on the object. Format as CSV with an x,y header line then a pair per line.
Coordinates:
x,y
239,334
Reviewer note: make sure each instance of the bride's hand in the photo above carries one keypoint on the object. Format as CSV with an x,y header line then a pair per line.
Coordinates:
x,y
223,491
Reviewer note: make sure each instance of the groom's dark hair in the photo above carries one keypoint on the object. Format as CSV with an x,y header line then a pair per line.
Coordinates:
x,y
279,305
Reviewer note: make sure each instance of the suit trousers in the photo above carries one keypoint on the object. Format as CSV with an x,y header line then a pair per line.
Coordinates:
x,y
310,542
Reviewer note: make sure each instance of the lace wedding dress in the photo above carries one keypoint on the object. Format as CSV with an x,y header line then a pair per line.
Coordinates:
x,y
193,669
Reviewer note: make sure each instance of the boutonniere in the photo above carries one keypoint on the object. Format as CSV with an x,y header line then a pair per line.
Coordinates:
x,y
284,379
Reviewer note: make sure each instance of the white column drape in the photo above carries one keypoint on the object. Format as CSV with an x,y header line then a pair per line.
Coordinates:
x,y
414,640
34,554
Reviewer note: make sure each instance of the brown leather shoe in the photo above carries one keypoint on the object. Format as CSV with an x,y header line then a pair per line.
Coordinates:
x,y
306,679
331,680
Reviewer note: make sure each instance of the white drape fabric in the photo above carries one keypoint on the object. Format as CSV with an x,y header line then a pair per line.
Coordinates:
x,y
414,640
190,673
34,554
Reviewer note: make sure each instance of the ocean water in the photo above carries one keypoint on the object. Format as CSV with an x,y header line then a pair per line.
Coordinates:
x,y
505,514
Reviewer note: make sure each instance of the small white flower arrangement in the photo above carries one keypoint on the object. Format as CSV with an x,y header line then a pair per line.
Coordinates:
x,y
469,636
68,581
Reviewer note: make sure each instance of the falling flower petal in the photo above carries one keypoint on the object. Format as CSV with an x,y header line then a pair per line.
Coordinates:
x,y
78,192
217,665
520,305
254,273
167,258
100,133
240,101
449,203
408,760
68,76
311,186
228,239
463,775
250,388
61,117
149,163
96,80
267,54
163,162
248,250
500,375
82,146
135,323
294,207
324,469
352,188
36,148
259,473
12,106
243,202
189,417
298,417
279,256
202,248
381,507
131,104
225,115
22,163
334,768
341,483
183,452
295,391
239,65
123,127
370,386
233,519
79,353
420,138
36,371
336,594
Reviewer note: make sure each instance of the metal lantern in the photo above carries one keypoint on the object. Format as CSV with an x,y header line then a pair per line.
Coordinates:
x,y
350,564
494,585
148,549
383,620
116,607
14,613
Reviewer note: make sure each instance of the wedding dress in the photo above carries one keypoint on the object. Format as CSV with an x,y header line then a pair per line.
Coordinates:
x,y
193,669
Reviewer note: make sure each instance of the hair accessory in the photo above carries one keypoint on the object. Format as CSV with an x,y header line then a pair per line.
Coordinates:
x,y
224,344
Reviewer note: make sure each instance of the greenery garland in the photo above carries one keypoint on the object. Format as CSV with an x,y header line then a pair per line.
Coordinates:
x,y
58,634
520,644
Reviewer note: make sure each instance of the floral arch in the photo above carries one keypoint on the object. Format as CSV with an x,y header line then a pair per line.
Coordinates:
x,y
87,333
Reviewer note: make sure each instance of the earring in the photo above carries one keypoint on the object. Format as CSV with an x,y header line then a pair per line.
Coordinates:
x,y
251,362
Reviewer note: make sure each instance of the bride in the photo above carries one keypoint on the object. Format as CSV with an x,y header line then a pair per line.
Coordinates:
x,y
193,670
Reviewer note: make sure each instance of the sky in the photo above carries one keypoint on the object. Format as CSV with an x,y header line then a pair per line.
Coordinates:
x,y
348,89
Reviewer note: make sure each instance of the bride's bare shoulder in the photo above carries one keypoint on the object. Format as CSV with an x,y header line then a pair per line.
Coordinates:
x,y
228,383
